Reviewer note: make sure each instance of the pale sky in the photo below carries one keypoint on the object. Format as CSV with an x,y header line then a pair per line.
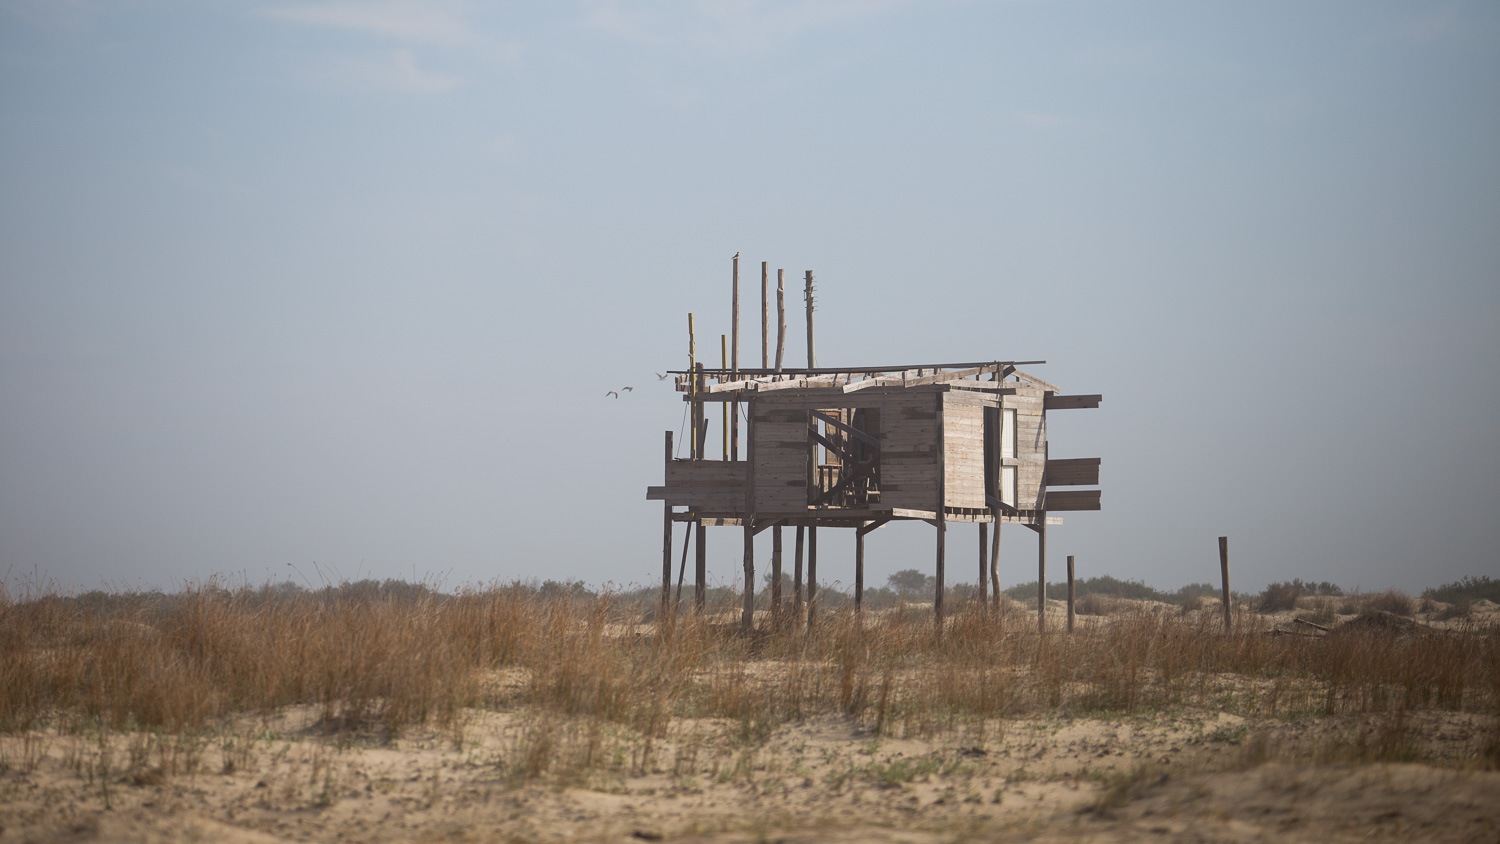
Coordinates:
x,y
334,290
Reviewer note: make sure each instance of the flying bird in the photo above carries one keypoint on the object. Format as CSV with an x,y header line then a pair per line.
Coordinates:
x,y
626,389
614,393
660,377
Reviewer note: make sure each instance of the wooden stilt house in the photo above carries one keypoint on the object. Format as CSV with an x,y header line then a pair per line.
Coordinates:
x,y
859,447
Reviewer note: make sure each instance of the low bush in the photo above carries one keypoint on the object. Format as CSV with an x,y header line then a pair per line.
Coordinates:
x,y
1393,602
1093,605
1279,597
1459,609
1470,588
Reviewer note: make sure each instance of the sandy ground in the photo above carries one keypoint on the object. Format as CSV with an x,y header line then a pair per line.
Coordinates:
x,y
1184,775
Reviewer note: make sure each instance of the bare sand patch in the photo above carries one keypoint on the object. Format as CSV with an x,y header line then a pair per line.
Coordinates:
x,y
1188,775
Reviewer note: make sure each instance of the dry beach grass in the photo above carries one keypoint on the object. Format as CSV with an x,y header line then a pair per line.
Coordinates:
x,y
502,713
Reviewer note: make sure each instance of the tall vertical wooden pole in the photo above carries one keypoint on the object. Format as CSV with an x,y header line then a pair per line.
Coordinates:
x,y
776,577
1041,573
692,390
859,568
941,436
776,531
797,595
724,406
984,569
812,573
1224,575
780,317
942,549
812,464
666,545
747,616
700,381
765,315
1070,593
700,568
695,451
807,293
995,561
734,367
687,533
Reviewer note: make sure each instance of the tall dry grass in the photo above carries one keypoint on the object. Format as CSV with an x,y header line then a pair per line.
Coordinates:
x,y
382,662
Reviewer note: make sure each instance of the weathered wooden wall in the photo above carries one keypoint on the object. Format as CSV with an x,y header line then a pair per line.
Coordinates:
x,y
1031,446
963,448
908,435
707,486
932,444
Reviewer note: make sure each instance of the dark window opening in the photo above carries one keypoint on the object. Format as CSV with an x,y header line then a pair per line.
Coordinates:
x,y
845,444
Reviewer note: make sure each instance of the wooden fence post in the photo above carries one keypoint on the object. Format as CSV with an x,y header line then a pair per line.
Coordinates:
x,y
1224,573
1070,593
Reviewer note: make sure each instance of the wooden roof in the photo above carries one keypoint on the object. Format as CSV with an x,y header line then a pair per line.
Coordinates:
x,y
852,379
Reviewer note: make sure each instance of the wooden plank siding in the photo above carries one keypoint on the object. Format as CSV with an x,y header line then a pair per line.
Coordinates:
x,y
932,452
1073,499
908,435
1056,402
1077,471
715,487
1031,446
963,450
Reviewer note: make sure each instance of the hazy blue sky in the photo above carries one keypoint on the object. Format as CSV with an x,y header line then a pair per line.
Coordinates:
x,y
345,283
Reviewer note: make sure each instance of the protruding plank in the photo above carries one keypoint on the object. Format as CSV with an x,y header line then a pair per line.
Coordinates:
x,y
1055,402
1075,471
1081,499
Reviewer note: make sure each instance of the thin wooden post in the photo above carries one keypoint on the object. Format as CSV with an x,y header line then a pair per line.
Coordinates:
x,y
734,366
1041,574
687,533
776,531
699,380
942,506
859,568
1224,574
666,545
780,317
1070,593
747,616
813,482
692,390
724,406
776,577
807,293
765,315
942,542
812,573
797,596
700,568
984,574
995,561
